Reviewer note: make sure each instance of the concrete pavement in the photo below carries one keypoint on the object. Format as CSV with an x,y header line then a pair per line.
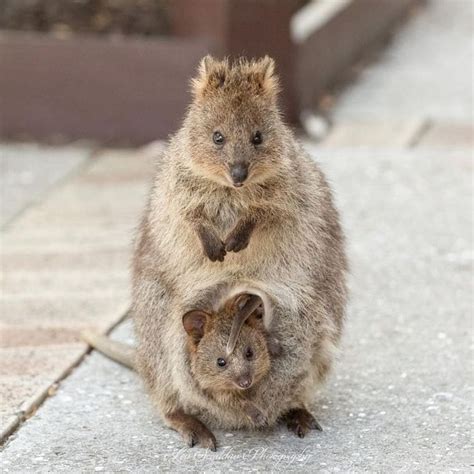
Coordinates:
x,y
64,268
29,170
400,397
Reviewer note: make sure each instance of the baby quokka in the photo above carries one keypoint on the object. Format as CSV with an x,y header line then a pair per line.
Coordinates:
x,y
230,352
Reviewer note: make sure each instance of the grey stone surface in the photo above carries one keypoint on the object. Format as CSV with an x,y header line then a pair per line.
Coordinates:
x,y
426,72
64,264
400,397
28,170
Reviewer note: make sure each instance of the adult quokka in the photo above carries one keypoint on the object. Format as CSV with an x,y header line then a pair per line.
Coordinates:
x,y
237,200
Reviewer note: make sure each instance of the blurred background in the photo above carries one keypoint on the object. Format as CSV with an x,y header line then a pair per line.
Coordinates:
x,y
381,94
118,70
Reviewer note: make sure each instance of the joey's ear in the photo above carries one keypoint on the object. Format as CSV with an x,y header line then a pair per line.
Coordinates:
x,y
244,304
194,323
211,75
255,318
261,315
242,299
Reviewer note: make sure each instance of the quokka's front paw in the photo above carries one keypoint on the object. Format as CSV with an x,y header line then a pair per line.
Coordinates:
x,y
236,242
214,249
256,416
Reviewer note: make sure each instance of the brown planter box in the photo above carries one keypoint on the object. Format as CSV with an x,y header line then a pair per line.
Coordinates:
x,y
134,90
116,91
331,49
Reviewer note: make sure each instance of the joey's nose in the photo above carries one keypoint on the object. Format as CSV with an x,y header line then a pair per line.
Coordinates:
x,y
238,174
244,382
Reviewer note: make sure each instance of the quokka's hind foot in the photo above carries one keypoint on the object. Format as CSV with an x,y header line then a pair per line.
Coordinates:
x,y
300,421
191,430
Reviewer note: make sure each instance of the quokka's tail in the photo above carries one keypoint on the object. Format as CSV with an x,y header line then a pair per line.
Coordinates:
x,y
117,351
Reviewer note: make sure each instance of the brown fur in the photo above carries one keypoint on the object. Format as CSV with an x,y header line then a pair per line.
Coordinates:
x,y
293,251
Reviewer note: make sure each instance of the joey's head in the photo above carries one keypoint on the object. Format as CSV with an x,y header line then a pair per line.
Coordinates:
x,y
214,366
235,133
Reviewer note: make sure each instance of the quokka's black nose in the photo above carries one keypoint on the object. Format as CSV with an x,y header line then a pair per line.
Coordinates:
x,y
238,174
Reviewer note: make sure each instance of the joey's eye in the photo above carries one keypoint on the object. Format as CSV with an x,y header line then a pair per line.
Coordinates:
x,y
257,138
221,362
218,138
248,353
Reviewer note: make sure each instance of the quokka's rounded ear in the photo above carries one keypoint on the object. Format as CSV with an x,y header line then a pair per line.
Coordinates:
x,y
264,72
267,65
245,304
255,320
211,75
194,323
255,317
242,299
205,65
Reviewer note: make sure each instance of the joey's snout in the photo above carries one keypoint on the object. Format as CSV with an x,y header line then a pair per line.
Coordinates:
x,y
239,173
244,381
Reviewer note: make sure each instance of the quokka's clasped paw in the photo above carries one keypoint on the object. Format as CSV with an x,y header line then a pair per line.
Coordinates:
x,y
239,238
256,416
212,245
236,243
215,250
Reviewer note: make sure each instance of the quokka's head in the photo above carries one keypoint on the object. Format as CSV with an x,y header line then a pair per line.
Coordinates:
x,y
235,133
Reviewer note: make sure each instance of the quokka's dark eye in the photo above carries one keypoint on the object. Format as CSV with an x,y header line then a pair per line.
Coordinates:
x,y
221,362
257,138
248,353
218,138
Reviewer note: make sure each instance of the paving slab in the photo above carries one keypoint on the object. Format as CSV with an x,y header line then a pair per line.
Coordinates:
x,y
70,310
49,283
29,170
65,266
39,367
401,394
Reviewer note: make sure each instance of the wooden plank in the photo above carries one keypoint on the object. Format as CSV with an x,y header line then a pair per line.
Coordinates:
x,y
386,134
